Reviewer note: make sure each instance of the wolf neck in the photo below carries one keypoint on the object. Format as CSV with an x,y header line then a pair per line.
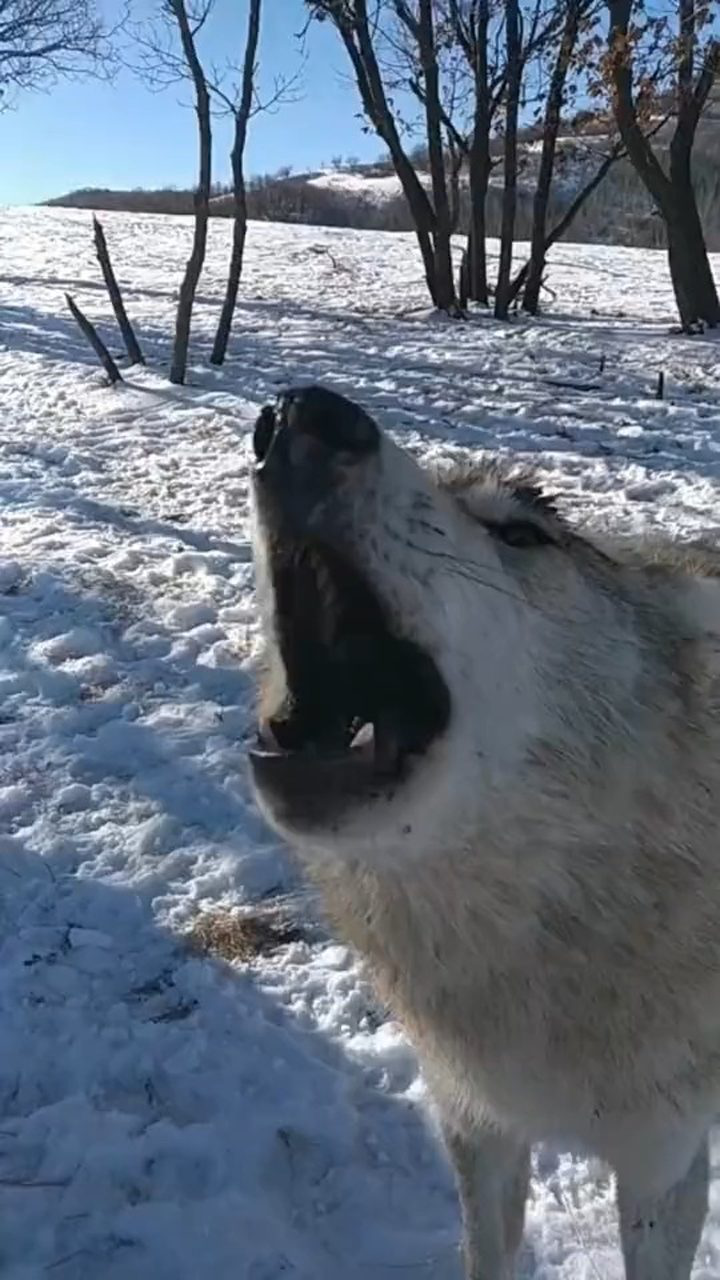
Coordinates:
x,y
422,919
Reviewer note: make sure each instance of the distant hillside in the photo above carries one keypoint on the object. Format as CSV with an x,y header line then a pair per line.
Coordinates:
x,y
370,196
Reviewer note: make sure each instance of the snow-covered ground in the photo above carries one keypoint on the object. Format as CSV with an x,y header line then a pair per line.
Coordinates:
x,y
166,1114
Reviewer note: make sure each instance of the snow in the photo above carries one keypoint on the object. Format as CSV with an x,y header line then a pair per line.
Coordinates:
x,y
165,1113
375,188
577,158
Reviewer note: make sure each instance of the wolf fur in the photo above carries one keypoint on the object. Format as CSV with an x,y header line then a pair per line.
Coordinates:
x,y
540,901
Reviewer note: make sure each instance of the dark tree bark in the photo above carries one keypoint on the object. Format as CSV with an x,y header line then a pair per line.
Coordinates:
x,y
463,288
551,125
242,116
480,160
131,343
480,169
470,30
455,156
444,285
693,283
95,341
201,198
507,232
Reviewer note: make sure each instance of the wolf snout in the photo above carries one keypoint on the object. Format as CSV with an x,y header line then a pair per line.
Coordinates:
x,y
305,442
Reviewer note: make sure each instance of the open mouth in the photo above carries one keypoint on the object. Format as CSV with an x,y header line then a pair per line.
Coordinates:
x,y
362,702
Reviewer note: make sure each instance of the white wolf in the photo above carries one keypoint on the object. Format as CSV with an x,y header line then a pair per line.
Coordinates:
x,y
497,749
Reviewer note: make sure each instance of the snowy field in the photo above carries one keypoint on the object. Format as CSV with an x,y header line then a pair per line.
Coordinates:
x,y
167,1114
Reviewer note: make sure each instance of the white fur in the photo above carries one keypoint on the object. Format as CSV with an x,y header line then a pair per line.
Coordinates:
x,y
541,901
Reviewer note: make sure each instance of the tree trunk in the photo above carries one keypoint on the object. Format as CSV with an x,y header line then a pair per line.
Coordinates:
x,y
132,345
480,168
201,200
445,298
222,334
551,126
463,288
695,291
456,160
690,270
471,33
507,235
242,116
354,30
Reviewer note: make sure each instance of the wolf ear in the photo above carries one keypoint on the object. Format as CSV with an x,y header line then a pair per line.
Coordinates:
x,y
510,508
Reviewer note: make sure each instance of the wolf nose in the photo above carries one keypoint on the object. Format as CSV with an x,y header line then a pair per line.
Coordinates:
x,y
309,423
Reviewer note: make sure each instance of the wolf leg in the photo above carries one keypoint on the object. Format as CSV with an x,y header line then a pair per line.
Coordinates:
x,y
660,1233
492,1172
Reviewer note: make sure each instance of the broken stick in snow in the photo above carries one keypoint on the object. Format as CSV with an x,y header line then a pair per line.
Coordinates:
x,y
95,341
132,345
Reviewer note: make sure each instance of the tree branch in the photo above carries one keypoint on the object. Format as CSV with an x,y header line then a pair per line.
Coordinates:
x,y
95,341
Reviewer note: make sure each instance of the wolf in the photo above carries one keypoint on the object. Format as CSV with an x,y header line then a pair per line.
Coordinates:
x,y
495,744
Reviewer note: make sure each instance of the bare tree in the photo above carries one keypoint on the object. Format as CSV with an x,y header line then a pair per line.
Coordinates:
x,y
575,10
420,27
467,102
359,36
480,31
167,54
469,21
240,108
695,66
455,159
242,102
42,41
195,262
514,68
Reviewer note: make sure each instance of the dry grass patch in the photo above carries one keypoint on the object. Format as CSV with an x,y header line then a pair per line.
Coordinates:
x,y
241,935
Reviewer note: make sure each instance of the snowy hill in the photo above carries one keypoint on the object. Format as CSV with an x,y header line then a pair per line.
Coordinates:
x,y
369,196
578,155
168,1113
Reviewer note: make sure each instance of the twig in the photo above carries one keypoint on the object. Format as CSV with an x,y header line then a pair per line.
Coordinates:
x,y
95,341
321,249
131,343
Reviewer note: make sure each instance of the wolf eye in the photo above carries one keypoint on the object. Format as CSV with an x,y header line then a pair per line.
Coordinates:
x,y
521,533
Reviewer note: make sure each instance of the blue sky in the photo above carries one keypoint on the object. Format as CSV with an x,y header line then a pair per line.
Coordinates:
x,y
125,135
